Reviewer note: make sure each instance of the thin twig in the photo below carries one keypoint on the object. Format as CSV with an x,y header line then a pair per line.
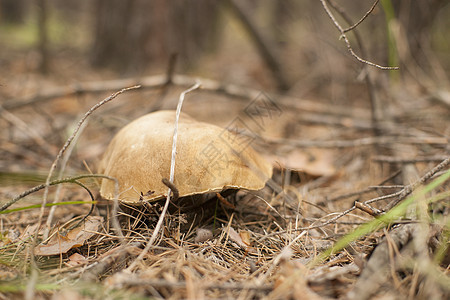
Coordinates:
x,y
345,196
363,191
172,174
363,18
400,194
93,271
166,86
92,205
69,141
410,188
173,188
60,154
372,92
162,283
378,140
393,160
171,67
384,197
26,129
160,81
379,187
54,182
64,161
328,222
367,209
347,42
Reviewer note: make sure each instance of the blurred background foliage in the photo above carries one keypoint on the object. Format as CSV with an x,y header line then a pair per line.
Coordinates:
x,y
72,40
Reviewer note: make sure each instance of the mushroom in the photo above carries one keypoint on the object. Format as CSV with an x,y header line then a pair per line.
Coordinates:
x,y
209,159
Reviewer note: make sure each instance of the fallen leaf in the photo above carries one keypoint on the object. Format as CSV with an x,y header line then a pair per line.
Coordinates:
x,y
292,282
317,163
236,237
76,237
245,236
76,259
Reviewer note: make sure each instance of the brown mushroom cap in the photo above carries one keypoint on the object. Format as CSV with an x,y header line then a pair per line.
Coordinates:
x,y
209,159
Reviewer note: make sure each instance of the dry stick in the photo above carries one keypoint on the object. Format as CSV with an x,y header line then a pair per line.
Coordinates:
x,y
162,283
65,159
172,173
344,196
29,155
54,182
393,160
367,209
160,81
90,210
363,18
378,187
378,140
93,271
330,221
82,88
31,284
30,131
409,188
384,197
347,42
333,120
67,144
375,118
173,188
402,194
169,81
364,191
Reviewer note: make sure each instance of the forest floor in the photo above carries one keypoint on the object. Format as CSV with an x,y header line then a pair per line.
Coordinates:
x,y
325,226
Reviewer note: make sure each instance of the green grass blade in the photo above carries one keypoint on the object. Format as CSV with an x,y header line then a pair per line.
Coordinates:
x,y
385,219
7,211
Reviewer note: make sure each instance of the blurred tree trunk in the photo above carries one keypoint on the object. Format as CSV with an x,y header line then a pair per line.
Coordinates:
x,y
12,11
282,15
265,48
417,19
42,7
130,35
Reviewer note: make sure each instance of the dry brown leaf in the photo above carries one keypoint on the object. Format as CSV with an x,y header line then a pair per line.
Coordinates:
x,y
235,237
317,163
76,259
291,282
243,240
245,236
75,238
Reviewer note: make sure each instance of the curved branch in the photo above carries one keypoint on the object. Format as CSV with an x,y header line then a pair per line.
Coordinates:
x,y
363,18
347,42
55,182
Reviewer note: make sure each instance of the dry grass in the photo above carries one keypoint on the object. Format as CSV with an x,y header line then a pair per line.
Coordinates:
x,y
262,245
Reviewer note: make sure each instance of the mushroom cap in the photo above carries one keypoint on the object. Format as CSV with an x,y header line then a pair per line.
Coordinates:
x,y
208,159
